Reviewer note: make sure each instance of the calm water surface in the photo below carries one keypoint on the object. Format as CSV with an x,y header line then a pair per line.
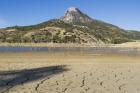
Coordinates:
x,y
89,50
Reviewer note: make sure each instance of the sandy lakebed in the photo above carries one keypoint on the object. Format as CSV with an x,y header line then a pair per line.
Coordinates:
x,y
42,72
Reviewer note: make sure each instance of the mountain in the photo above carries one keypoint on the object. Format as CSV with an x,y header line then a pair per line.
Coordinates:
x,y
73,27
135,34
74,15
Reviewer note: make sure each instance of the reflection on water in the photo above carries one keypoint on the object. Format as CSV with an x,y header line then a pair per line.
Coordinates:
x,y
89,50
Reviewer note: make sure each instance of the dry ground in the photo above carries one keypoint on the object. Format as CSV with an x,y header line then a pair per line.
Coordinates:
x,y
135,44
68,73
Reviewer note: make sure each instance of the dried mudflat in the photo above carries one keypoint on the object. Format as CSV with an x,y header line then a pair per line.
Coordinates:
x,y
68,73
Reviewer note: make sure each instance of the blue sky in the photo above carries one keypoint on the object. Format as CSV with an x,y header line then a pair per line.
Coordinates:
x,y
123,13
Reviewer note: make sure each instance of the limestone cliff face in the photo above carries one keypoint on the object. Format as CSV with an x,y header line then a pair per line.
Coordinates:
x,y
74,15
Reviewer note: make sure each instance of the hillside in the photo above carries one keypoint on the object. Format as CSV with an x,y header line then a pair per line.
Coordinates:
x,y
73,27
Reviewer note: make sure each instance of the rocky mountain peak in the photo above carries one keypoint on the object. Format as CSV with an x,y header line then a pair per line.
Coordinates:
x,y
74,15
72,9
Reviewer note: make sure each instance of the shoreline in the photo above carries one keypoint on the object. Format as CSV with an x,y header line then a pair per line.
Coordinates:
x,y
123,45
44,45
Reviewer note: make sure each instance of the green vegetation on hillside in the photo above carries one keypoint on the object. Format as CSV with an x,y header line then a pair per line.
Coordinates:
x,y
58,31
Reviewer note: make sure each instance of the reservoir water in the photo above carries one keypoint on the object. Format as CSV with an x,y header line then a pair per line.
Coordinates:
x,y
84,50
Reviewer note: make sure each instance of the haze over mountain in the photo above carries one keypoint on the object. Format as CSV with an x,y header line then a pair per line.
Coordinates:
x,y
73,27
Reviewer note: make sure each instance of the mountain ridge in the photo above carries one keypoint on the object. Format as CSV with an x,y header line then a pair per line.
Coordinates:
x,y
73,27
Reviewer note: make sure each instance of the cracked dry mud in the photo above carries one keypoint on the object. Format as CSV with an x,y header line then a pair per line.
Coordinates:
x,y
86,78
74,77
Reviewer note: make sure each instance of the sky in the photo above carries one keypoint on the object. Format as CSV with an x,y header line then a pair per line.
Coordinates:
x,y
123,13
